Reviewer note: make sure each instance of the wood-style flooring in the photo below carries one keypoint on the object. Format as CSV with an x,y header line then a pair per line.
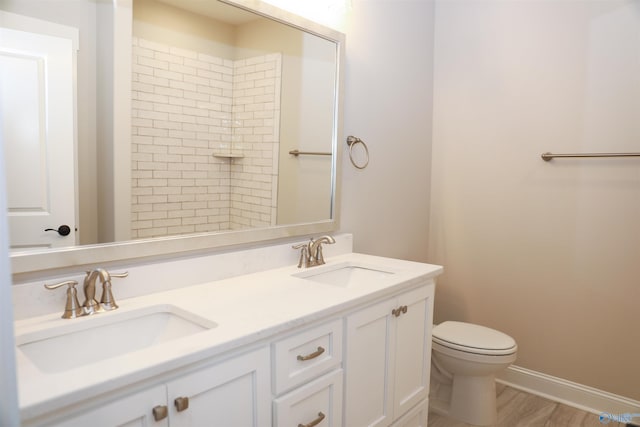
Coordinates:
x,y
519,409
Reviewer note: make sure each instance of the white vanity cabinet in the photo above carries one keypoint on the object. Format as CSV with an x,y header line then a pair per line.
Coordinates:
x,y
296,352
234,392
388,354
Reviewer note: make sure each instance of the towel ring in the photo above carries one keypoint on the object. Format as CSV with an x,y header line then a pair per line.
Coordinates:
x,y
353,141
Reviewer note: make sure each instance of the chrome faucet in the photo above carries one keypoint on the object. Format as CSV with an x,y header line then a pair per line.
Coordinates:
x,y
107,302
73,309
311,252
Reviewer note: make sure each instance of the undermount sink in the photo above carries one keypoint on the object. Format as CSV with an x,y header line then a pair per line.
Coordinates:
x,y
102,336
345,274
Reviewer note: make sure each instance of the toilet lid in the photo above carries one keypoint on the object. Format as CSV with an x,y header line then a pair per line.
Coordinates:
x,y
472,336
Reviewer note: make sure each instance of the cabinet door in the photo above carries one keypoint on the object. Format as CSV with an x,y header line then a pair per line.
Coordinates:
x,y
235,392
127,411
370,337
413,350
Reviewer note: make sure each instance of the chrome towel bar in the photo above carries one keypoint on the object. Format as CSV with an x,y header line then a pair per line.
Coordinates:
x,y
548,156
308,153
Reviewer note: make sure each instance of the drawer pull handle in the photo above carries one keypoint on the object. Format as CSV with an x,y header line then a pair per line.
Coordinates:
x,y
313,355
160,412
404,308
182,403
314,422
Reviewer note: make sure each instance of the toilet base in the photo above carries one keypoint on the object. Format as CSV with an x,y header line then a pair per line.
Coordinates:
x,y
473,400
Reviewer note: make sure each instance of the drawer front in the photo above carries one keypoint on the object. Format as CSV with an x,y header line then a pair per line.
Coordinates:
x,y
307,355
318,403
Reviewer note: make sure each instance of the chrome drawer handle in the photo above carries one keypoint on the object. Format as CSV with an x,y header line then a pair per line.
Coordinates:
x,y
314,422
313,355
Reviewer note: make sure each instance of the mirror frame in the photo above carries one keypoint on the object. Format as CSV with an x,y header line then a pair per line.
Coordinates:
x,y
24,263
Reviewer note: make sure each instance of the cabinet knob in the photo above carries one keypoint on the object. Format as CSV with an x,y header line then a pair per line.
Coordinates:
x,y
182,403
314,422
400,310
160,412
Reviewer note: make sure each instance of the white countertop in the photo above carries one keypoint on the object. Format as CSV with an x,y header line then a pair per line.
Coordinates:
x,y
246,309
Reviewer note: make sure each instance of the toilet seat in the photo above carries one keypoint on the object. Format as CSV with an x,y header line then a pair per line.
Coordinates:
x,y
475,339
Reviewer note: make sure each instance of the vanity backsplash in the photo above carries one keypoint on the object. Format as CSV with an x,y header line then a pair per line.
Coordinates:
x,y
31,299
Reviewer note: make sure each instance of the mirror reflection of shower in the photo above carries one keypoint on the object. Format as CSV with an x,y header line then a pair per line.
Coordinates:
x,y
204,140
175,119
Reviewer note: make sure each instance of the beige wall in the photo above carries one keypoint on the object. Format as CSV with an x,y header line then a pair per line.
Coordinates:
x,y
170,25
388,93
546,252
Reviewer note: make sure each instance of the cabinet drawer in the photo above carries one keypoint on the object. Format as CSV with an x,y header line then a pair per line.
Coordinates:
x,y
318,403
307,355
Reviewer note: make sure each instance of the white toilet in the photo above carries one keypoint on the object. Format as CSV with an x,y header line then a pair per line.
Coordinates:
x,y
464,362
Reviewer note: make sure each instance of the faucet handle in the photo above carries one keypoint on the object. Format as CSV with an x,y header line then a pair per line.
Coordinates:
x,y
304,254
72,308
107,302
119,275
319,256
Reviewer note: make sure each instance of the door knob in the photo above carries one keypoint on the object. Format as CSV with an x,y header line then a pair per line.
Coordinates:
x,y
63,230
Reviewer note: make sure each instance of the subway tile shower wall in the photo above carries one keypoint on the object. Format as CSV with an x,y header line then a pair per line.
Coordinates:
x,y
191,113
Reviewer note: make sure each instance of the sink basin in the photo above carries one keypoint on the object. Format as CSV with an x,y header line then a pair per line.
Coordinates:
x,y
98,337
345,274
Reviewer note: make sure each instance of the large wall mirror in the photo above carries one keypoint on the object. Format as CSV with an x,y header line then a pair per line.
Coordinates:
x,y
195,124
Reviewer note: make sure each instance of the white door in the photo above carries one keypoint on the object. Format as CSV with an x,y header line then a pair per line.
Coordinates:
x,y
37,124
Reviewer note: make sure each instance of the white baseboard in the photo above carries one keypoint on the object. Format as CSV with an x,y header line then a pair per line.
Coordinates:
x,y
569,393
